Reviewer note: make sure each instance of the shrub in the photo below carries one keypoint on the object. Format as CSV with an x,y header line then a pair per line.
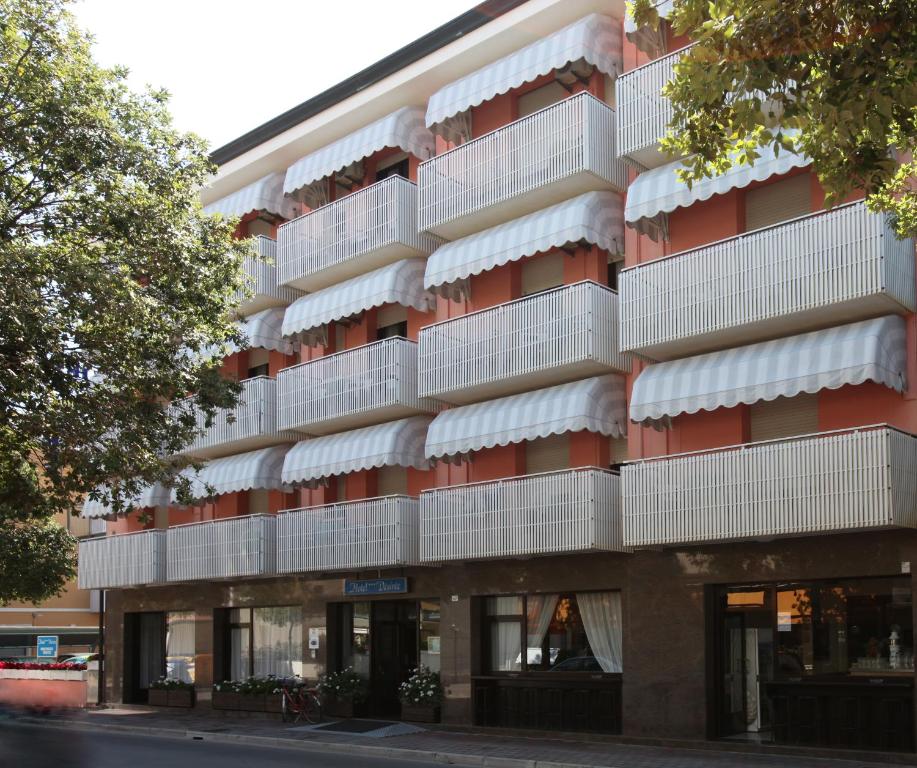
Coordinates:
x,y
346,684
171,684
422,688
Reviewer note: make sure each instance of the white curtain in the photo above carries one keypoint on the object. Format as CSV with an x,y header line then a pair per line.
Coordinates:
x,y
540,610
278,641
601,614
180,645
505,650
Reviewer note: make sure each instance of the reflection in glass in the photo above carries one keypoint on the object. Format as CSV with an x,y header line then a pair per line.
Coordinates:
x,y
180,646
429,634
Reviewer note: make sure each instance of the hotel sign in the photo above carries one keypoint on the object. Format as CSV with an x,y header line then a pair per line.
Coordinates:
x,y
361,587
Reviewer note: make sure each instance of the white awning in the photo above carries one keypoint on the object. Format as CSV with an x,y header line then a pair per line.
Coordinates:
x,y
403,128
396,443
595,38
596,217
660,191
646,39
255,470
595,405
398,283
155,495
264,330
263,195
871,350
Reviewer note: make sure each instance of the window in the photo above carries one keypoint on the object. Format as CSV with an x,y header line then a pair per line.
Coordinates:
x,y
780,201
258,362
180,645
578,632
397,167
429,634
265,641
355,638
259,370
614,272
391,321
260,227
784,417
539,98
392,331
542,273
547,454
392,481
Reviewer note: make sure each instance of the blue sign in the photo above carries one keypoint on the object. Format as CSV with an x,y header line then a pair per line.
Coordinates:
x,y
47,647
360,587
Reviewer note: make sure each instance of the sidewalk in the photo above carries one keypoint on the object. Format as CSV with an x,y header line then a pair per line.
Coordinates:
x,y
473,748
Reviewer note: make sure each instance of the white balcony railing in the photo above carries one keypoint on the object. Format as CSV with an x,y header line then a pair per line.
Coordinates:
x,y
125,560
830,482
351,236
367,385
643,112
250,425
544,158
264,289
837,266
577,510
222,549
372,533
549,338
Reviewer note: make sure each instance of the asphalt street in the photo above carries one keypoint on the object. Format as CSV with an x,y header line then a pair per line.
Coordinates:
x,y
28,746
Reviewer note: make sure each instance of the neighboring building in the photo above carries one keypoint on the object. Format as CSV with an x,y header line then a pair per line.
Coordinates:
x,y
73,616
642,455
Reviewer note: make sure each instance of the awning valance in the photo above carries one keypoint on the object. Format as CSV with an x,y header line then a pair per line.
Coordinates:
x,y
255,470
155,495
396,443
646,39
871,350
263,195
659,191
403,128
596,217
594,38
595,405
398,283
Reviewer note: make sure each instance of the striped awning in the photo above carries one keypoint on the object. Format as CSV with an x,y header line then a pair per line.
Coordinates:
x,y
255,470
396,443
155,495
871,350
596,217
398,283
264,330
263,195
659,190
595,405
594,38
646,39
403,128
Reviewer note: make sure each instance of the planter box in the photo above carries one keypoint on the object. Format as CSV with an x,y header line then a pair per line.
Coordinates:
x,y
273,703
42,674
251,702
158,697
343,707
225,700
181,698
419,713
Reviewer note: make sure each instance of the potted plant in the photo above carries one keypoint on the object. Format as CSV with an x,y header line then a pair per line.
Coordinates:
x,y
171,692
421,696
343,693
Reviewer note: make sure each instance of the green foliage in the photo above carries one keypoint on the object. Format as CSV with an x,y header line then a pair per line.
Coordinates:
x,y
836,81
346,685
171,684
113,281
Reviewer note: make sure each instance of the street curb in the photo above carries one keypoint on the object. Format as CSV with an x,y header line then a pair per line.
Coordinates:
x,y
447,758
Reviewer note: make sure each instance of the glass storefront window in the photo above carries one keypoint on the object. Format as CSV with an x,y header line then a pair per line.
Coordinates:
x,y
180,646
429,635
356,638
563,633
265,641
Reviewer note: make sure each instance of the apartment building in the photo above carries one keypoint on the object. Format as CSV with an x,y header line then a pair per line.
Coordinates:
x,y
611,454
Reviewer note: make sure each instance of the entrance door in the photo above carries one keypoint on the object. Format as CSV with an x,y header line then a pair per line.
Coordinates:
x,y
394,653
144,654
745,653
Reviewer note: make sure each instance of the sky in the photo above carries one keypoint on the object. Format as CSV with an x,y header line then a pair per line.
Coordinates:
x,y
232,65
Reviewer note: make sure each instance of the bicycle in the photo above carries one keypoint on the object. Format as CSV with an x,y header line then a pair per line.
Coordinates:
x,y
300,703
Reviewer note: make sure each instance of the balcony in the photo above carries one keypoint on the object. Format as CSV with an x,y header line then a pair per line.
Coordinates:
x,y
820,270
126,560
351,236
265,291
250,425
373,533
550,338
355,388
559,152
222,549
864,479
576,510
643,112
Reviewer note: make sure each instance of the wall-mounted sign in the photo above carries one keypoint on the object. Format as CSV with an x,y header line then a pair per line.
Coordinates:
x,y
314,635
46,647
360,587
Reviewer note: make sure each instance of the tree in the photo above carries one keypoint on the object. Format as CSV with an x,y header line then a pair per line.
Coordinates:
x,y
115,283
835,80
